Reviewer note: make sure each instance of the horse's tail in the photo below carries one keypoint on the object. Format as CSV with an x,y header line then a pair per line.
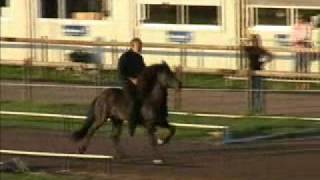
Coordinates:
x,y
81,133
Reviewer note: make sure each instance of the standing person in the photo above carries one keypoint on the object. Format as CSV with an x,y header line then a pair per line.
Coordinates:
x,y
257,57
301,38
131,64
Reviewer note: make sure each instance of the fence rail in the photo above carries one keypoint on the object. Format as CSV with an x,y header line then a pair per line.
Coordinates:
x,y
59,155
16,84
34,114
66,116
96,76
107,159
181,50
223,101
149,45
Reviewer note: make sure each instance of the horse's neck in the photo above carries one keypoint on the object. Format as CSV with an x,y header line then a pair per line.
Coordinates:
x,y
158,93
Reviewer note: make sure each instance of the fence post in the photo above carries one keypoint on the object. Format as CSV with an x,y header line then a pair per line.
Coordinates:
x,y
114,56
44,48
183,56
27,65
177,93
99,57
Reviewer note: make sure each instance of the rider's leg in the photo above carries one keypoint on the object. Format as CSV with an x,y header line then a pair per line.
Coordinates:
x,y
135,116
135,108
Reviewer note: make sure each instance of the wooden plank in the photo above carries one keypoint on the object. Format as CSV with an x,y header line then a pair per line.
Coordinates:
x,y
277,74
65,116
273,79
42,115
148,45
56,64
200,126
62,65
295,75
58,155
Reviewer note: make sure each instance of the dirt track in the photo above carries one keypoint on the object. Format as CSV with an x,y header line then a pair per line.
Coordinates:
x,y
278,160
222,102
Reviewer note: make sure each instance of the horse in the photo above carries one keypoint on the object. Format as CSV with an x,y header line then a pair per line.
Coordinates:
x,y
114,104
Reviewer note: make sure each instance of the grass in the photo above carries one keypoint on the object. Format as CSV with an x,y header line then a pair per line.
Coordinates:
x,y
68,126
243,127
239,128
192,80
29,106
251,126
39,74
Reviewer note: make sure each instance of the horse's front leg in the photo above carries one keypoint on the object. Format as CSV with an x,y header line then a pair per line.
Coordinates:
x,y
151,130
172,131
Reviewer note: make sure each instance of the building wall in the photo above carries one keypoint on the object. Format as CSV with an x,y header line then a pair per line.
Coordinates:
x,y
201,34
21,19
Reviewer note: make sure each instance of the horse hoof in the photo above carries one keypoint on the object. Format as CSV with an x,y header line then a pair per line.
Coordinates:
x,y
160,142
157,161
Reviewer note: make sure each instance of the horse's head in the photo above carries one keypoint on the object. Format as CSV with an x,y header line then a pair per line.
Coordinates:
x,y
166,77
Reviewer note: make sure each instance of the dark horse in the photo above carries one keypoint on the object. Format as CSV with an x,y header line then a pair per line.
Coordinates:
x,y
114,104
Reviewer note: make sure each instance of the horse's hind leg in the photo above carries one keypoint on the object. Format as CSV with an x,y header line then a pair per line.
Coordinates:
x,y
91,132
115,136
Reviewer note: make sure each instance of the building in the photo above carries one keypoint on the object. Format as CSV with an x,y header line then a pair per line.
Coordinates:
x,y
198,22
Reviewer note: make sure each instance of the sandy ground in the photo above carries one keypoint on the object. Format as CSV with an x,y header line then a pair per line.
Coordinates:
x,y
185,159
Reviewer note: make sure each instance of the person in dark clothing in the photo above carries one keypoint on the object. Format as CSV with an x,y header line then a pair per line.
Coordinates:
x,y
256,54
130,65
257,57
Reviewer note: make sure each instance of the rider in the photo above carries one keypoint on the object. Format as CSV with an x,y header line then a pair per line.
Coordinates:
x,y
130,65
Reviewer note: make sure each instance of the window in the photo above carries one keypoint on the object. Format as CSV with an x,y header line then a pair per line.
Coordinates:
x,y
308,13
82,6
49,9
206,15
75,9
272,16
180,14
162,14
4,3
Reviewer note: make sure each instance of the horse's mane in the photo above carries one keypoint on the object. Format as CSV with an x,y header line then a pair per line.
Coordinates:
x,y
148,78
